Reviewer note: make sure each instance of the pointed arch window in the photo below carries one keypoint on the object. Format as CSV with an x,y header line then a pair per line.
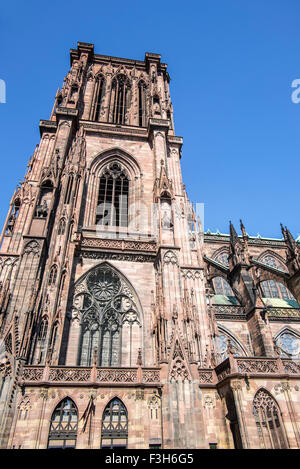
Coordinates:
x,y
269,422
120,98
63,426
224,341
272,289
142,104
52,275
112,207
69,189
222,287
289,345
114,432
98,98
109,319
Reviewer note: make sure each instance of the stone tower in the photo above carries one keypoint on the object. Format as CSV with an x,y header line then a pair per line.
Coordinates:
x,y
122,323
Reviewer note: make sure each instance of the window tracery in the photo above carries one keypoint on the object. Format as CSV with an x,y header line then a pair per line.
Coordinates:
x,y
114,425
268,421
120,98
289,345
109,317
226,344
63,426
271,288
112,207
142,103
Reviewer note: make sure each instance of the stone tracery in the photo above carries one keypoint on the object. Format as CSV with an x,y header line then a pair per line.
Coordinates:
x,y
109,316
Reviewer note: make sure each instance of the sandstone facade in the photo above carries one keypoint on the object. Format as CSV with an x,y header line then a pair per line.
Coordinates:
x,y
122,323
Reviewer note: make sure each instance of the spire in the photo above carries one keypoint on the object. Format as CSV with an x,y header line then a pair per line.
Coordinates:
x,y
234,239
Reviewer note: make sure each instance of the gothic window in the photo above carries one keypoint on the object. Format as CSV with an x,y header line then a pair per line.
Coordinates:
x,y
142,104
52,275
270,288
268,421
98,97
224,342
289,345
120,97
62,227
109,319
53,341
43,329
41,343
63,427
69,189
222,287
114,425
112,207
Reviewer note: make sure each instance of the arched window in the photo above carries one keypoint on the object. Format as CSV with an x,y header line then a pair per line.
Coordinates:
x,y
98,97
270,288
69,189
112,207
289,345
52,275
63,427
120,98
41,344
109,319
142,104
114,432
222,287
53,341
43,329
268,421
224,342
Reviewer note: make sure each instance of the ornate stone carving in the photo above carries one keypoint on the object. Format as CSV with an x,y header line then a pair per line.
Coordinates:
x,y
117,256
209,402
205,377
151,376
110,375
170,258
32,374
257,365
70,374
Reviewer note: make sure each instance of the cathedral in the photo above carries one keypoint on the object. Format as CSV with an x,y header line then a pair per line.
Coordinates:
x,y
122,323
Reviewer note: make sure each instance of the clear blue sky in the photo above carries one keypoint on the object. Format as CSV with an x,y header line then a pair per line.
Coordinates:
x,y
231,62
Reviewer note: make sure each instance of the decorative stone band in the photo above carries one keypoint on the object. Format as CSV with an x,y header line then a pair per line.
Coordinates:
x,y
257,365
65,374
123,245
275,314
252,366
291,366
70,374
110,375
228,312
